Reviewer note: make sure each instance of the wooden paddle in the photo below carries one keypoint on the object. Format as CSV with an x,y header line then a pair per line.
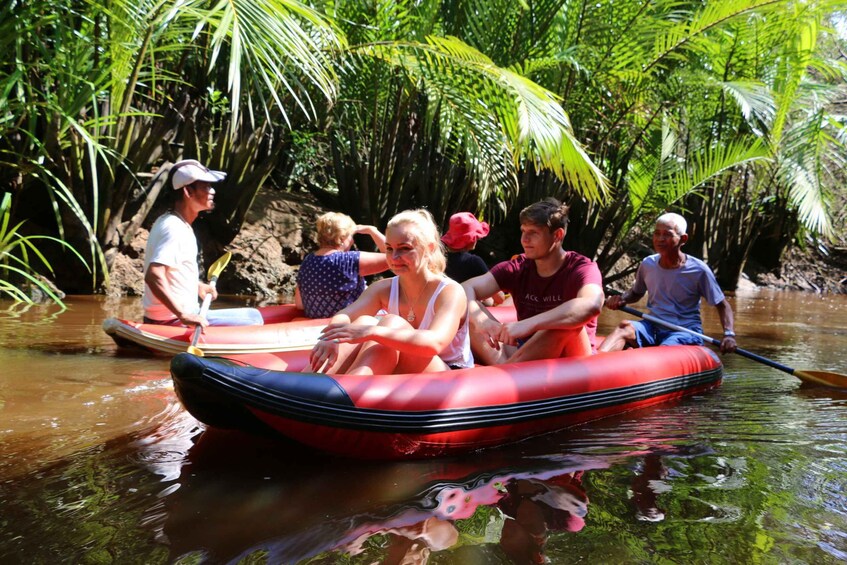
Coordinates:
x,y
825,378
214,271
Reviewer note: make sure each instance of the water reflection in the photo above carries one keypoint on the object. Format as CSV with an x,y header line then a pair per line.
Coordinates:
x,y
98,462
406,510
534,508
646,487
289,505
164,450
55,405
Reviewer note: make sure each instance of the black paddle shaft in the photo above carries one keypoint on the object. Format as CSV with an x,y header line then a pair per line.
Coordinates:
x,y
713,341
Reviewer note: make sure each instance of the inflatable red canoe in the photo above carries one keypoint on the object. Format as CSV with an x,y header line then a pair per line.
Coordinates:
x,y
433,414
285,329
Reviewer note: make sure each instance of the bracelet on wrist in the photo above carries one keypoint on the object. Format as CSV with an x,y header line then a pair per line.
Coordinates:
x,y
728,333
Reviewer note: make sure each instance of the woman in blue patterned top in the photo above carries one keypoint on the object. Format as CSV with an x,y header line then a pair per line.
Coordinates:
x,y
332,277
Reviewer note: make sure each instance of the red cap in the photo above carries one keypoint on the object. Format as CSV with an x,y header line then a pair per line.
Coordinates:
x,y
464,230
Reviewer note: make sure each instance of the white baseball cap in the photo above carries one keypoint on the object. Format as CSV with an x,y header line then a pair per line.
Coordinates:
x,y
188,171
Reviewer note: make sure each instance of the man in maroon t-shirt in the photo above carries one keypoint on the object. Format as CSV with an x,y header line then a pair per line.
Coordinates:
x,y
558,295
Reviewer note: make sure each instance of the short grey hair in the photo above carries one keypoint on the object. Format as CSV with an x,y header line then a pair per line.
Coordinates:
x,y
675,220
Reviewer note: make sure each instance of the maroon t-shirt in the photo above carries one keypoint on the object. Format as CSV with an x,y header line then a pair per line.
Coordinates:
x,y
534,294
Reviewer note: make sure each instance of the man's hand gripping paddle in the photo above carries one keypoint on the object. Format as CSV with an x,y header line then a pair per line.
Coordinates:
x,y
214,271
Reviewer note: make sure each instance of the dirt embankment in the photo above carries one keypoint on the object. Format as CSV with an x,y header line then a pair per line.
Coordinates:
x,y
815,269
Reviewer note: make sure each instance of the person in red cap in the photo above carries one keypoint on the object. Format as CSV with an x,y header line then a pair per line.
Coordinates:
x,y
462,234
558,295
172,287
461,237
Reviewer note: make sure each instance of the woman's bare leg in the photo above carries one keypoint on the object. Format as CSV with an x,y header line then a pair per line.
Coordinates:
x,y
349,352
377,359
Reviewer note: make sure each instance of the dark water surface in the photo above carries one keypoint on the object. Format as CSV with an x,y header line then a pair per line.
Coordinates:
x,y
100,464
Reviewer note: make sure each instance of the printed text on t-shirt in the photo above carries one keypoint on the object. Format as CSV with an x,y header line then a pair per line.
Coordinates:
x,y
547,298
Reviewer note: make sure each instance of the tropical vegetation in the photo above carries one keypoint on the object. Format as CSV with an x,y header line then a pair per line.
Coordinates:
x,y
15,262
726,110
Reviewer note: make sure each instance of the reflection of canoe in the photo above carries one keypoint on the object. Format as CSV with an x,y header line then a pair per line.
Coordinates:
x,y
420,415
280,333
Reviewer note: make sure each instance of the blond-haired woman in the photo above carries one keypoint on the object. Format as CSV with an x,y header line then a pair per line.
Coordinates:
x,y
333,276
414,322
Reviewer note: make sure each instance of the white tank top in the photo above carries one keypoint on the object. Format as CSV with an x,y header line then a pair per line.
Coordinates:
x,y
458,352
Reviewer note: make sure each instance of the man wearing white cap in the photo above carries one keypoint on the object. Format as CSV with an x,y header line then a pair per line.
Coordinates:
x,y
172,287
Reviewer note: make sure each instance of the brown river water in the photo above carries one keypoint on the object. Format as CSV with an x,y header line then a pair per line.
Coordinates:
x,y
99,463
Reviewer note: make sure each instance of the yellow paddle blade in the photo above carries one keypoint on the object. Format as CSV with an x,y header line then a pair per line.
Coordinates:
x,y
218,266
825,378
195,351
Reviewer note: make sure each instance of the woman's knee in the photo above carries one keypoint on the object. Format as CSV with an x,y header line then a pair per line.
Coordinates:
x,y
392,321
367,320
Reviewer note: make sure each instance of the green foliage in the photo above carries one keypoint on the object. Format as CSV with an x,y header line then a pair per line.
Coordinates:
x,y
689,106
427,118
17,253
96,92
722,110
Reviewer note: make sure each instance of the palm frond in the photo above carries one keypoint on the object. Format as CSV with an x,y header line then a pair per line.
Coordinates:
x,y
14,257
704,166
755,101
683,34
265,40
473,94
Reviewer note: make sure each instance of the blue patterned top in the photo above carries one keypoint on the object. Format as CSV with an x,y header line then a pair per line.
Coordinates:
x,y
329,283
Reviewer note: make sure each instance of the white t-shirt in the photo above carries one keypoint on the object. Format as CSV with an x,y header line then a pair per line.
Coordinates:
x,y
458,352
172,243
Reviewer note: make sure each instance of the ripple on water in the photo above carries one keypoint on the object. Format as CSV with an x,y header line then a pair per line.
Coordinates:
x,y
825,485
164,449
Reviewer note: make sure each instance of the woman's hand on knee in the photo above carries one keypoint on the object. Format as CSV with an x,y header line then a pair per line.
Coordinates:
x,y
348,333
323,356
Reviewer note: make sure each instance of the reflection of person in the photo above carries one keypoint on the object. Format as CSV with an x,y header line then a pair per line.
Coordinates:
x,y
426,325
171,275
557,294
534,508
333,276
412,545
409,544
646,487
461,237
674,283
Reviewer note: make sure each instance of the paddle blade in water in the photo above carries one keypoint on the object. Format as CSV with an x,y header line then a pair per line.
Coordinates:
x,y
825,378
